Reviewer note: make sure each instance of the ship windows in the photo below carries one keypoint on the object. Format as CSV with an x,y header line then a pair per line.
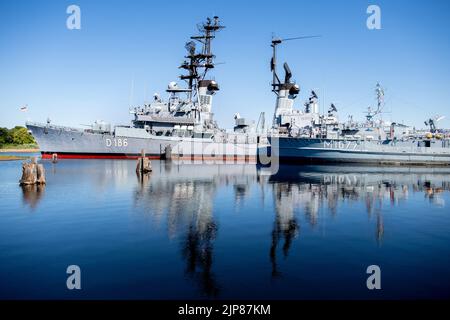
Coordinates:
x,y
425,143
204,99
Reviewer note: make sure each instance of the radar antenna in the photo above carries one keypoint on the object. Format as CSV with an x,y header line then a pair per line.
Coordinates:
x,y
432,123
276,82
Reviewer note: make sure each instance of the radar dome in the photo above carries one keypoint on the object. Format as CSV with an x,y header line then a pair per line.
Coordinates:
x,y
173,85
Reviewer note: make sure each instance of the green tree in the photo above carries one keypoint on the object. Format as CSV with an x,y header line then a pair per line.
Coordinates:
x,y
17,135
4,133
20,135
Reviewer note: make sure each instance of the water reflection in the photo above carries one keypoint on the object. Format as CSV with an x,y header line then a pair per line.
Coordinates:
x,y
314,189
286,228
32,195
187,200
187,205
184,196
198,252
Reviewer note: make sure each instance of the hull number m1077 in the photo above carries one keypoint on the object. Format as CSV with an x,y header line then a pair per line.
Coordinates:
x,y
116,142
340,144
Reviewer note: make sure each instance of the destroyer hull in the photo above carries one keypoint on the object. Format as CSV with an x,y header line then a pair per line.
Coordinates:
x,y
69,143
305,150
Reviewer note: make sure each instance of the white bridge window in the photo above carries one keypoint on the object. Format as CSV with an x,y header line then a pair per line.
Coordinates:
x,y
205,99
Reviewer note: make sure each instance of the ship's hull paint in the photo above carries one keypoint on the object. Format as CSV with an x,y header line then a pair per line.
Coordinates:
x,y
77,144
310,150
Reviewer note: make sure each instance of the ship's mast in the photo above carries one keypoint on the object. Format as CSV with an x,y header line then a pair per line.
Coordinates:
x,y
285,90
273,66
276,82
199,63
380,97
379,92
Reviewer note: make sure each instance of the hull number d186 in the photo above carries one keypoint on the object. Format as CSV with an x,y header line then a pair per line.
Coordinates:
x,y
116,142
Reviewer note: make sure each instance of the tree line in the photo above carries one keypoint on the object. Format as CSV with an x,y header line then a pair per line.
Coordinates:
x,y
17,136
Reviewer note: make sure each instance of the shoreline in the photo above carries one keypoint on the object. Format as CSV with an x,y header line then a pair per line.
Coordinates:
x,y
19,150
12,158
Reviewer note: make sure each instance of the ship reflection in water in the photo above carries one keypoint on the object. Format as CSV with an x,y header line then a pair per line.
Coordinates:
x,y
187,203
227,231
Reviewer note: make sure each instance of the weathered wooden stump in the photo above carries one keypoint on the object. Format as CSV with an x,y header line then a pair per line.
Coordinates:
x,y
168,152
40,174
32,173
29,175
144,165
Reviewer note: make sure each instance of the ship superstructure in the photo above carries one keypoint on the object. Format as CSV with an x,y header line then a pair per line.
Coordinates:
x,y
309,136
181,126
188,111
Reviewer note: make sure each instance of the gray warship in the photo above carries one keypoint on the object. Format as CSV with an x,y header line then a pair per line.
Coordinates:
x,y
181,127
307,136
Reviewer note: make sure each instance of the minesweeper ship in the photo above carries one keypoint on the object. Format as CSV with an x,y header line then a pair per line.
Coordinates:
x,y
301,136
182,127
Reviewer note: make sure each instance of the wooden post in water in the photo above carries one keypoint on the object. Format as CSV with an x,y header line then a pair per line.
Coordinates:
x,y
40,174
168,152
32,173
144,164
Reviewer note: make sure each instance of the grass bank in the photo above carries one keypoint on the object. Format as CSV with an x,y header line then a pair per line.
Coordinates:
x,y
19,148
10,158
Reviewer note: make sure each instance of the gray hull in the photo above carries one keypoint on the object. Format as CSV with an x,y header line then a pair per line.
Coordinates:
x,y
355,151
74,143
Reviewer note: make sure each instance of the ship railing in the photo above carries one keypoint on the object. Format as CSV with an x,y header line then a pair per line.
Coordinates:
x,y
233,138
52,126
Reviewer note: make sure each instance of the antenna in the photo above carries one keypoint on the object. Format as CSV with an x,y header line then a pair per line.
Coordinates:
x,y
380,97
132,91
379,92
145,94
432,123
261,122
202,59
276,83
300,38
439,118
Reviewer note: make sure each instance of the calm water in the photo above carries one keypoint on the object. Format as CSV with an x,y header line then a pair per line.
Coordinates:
x,y
224,231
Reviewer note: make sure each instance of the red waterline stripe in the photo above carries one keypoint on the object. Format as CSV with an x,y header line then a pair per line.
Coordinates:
x,y
94,156
132,157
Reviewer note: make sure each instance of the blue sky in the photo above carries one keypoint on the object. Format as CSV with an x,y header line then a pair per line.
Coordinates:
x,y
78,76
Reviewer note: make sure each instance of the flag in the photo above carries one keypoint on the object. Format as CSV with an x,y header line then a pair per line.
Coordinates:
x,y
24,108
